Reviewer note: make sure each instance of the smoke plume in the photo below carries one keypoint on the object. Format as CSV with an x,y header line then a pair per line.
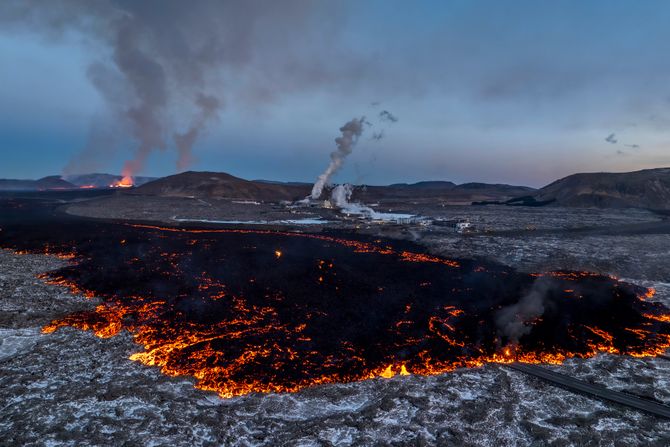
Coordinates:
x,y
376,136
345,144
162,68
209,107
513,321
385,115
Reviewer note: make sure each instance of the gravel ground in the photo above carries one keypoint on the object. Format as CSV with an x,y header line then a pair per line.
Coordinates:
x,y
637,256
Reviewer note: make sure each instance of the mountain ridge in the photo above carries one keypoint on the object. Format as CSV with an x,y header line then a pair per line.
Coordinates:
x,y
647,188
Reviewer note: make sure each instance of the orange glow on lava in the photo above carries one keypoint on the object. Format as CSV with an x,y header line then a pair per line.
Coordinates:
x,y
226,355
125,182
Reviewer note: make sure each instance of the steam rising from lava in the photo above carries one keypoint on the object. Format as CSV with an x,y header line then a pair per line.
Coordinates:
x,y
345,144
514,321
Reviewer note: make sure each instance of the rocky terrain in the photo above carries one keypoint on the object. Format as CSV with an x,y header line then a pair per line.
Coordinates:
x,y
72,388
624,243
175,209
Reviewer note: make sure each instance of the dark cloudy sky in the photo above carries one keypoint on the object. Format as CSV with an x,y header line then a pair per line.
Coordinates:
x,y
517,91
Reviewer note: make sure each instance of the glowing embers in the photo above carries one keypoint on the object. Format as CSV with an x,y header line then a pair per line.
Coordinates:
x,y
421,257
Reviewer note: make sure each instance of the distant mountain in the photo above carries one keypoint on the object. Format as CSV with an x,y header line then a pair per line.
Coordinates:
x,y
218,184
99,180
276,182
649,188
447,192
215,184
53,182
424,185
500,187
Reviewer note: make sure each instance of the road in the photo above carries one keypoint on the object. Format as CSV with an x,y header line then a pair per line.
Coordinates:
x,y
598,391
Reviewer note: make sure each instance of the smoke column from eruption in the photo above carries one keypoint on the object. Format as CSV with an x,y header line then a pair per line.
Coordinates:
x,y
209,106
160,67
345,144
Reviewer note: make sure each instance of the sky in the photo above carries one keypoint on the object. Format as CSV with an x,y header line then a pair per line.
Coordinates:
x,y
519,92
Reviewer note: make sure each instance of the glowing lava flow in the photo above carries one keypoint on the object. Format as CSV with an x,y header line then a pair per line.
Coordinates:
x,y
247,311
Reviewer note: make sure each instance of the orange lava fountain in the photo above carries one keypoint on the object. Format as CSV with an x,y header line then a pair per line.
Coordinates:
x,y
125,182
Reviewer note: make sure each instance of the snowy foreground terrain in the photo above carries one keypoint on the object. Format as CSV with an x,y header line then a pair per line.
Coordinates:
x,y
71,388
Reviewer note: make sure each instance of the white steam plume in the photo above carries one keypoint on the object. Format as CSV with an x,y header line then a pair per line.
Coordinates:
x,y
341,196
345,144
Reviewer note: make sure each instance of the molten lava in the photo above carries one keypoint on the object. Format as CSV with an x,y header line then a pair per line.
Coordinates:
x,y
125,182
241,315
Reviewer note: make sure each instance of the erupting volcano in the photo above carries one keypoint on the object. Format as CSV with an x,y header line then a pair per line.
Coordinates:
x,y
247,311
125,182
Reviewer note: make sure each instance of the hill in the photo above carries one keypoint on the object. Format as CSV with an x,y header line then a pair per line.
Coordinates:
x,y
222,185
43,184
649,188
441,191
425,185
